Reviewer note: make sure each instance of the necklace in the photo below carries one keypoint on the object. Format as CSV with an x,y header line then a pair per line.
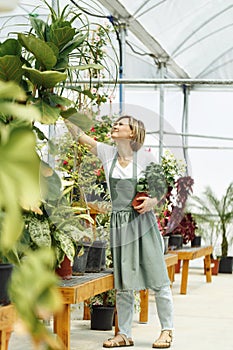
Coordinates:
x,y
124,161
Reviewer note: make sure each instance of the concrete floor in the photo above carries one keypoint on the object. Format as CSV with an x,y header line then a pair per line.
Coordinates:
x,y
203,319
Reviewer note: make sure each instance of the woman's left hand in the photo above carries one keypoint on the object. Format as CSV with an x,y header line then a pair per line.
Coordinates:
x,y
147,204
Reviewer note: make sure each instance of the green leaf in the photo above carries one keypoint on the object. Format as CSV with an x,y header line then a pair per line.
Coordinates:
x,y
10,47
40,49
61,36
39,26
11,68
47,79
72,45
49,114
19,181
81,120
29,113
11,90
40,232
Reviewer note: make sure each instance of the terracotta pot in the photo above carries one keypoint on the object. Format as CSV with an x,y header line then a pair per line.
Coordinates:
x,y
65,271
135,201
214,266
177,266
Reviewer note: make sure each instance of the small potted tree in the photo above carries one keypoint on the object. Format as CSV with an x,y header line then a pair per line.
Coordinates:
x,y
217,212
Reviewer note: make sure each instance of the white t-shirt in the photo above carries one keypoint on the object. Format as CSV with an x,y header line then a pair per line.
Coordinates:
x,y
106,154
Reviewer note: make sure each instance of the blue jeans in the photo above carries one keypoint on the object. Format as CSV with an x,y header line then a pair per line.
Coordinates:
x,y
125,309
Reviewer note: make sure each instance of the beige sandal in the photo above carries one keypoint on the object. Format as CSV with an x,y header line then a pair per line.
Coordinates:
x,y
164,340
118,341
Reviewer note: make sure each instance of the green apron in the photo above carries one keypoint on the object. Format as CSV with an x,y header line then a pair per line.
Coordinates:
x,y
136,241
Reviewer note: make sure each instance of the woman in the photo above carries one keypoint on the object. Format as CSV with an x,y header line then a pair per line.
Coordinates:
x,y
136,242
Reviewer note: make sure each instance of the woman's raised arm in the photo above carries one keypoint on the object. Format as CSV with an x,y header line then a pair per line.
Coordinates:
x,y
80,136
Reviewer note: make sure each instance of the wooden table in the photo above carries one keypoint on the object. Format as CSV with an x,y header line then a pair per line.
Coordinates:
x,y
187,254
76,290
7,320
81,288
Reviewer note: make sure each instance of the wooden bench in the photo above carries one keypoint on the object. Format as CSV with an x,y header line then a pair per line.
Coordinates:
x,y
7,320
185,255
81,288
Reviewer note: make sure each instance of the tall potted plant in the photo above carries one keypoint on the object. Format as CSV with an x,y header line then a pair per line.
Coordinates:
x,y
218,212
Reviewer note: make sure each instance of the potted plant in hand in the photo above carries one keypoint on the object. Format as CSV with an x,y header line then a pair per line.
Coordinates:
x,y
152,183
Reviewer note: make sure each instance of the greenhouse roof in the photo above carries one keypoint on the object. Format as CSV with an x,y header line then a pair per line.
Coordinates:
x,y
192,38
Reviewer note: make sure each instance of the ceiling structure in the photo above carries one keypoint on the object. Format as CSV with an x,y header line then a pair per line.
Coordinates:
x,y
166,40
191,39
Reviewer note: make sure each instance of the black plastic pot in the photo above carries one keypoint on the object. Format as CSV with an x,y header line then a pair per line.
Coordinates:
x,y
5,276
96,257
102,317
196,242
225,264
175,241
80,262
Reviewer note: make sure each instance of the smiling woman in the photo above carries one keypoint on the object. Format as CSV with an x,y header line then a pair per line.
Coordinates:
x,y
138,255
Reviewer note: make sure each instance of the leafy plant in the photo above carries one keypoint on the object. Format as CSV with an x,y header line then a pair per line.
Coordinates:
x,y
215,213
153,181
34,68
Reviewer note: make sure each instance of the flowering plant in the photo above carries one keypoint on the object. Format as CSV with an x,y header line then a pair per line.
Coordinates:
x,y
171,215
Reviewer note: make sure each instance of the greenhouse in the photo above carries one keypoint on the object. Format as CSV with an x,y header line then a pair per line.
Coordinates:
x,y
103,101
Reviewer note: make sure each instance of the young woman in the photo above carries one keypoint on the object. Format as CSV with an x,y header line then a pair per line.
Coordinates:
x,y
136,243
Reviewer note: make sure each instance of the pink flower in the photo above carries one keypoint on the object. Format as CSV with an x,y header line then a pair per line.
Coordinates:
x,y
97,172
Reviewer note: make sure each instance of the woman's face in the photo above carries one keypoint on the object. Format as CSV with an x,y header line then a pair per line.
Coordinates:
x,y
121,130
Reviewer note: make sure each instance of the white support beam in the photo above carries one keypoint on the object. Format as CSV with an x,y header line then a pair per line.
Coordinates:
x,y
117,10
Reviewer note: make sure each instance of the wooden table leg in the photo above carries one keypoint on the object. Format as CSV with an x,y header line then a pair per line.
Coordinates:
x,y
62,326
116,322
144,300
171,273
184,277
207,268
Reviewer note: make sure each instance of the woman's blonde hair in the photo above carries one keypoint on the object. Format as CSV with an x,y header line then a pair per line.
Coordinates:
x,y
138,129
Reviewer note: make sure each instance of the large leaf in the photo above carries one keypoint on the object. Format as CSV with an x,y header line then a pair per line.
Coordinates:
x,y
80,119
40,232
66,244
10,47
19,181
10,68
47,79
49,114
33,290
29,113
72,45
61,36
11,90
40,49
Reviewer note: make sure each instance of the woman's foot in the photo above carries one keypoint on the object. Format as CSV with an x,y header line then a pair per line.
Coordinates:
x,y
118,341
164,340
